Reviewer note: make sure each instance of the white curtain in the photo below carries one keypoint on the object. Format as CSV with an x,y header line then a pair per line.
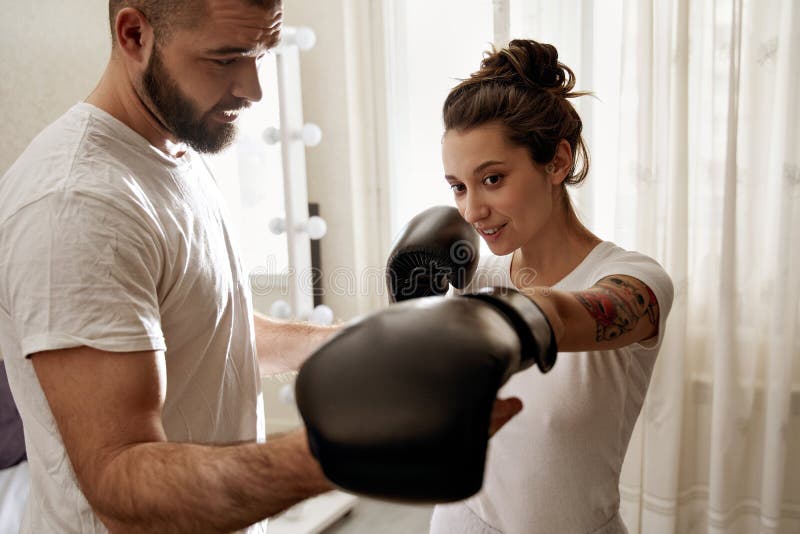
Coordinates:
x,y
695,150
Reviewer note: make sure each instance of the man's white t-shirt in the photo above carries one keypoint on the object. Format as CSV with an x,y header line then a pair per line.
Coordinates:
x,y
107,242
555,466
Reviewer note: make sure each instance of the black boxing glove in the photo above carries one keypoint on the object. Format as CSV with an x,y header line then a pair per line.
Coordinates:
x,y
397,405
436,248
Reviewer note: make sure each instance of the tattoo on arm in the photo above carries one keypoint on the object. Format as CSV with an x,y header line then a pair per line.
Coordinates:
x,y
616,305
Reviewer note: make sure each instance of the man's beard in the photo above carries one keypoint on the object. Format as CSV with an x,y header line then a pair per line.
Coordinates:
x,y
180,116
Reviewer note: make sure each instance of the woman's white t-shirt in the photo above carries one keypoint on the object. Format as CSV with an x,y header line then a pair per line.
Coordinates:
x,y
555,466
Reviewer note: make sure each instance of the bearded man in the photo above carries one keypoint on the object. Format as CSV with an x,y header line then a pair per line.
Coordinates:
x,y
125,317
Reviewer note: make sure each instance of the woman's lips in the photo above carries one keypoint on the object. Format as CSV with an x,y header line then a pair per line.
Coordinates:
x,y
492,236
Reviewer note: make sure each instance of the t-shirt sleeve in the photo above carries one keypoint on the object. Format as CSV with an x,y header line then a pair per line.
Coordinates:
x,y
649,272
80,272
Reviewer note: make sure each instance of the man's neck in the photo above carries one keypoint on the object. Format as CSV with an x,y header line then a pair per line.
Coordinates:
x,y
115,94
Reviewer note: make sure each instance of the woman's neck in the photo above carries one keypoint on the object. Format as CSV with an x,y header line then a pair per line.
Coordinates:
x,y
557,249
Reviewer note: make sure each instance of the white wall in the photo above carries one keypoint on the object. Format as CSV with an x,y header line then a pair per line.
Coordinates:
x,y
343,92
52,52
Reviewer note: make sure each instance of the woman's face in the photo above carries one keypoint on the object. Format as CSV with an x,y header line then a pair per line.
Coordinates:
x,y
497,186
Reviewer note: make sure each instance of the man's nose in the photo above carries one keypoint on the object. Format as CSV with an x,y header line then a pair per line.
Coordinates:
x,y
246,84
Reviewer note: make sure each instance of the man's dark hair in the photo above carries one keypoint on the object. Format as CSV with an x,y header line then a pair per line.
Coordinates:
x,y
166,15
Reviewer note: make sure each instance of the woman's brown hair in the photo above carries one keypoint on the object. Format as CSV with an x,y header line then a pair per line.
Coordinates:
x,y
526,88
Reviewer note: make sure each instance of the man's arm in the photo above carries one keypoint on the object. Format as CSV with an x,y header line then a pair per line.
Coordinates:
x,y
108,410
617,311
283,346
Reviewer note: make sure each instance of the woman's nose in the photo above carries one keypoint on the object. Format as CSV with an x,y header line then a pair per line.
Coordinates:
x,y
475,208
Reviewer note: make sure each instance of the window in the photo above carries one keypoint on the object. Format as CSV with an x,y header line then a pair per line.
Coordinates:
x,y
430,47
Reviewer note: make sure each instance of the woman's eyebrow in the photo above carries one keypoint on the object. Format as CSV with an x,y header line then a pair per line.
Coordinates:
x,y
485,164
477,169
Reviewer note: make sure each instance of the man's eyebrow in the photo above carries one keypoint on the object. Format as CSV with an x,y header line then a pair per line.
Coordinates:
x,y
223,50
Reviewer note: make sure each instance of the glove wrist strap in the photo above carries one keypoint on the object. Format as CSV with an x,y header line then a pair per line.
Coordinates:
x,y
536,336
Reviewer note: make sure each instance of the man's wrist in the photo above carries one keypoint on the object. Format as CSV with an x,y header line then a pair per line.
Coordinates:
x,y
323,333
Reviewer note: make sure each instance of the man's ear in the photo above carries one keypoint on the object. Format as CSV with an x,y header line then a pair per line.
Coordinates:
x,y
134,35
560,165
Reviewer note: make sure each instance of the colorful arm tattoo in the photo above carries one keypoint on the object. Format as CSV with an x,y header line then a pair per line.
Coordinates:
x,y
616,305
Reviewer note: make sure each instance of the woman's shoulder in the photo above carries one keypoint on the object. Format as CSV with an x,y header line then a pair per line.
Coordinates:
x,y
613,259
608,253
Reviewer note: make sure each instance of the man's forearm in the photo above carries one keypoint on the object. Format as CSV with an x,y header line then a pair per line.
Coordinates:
x,y
173,487
283,346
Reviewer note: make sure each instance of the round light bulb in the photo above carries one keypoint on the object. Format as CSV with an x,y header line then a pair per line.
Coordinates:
x,y
277,225
280,309
305,38
272,135
321,315
316,227
286,394
311,134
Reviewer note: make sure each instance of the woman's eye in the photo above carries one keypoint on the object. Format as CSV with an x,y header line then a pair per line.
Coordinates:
x,y
457,188
493,179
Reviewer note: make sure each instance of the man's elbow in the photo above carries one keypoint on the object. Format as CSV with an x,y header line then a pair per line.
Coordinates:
x,y
110,493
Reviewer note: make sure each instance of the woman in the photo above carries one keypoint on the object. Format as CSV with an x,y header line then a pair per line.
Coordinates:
x,y
511,147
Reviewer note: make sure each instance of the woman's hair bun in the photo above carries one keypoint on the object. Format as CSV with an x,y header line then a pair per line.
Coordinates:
x,y
529,63
526,89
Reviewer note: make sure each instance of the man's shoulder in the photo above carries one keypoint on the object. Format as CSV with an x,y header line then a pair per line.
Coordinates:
x,y
77,153
54,145
43,165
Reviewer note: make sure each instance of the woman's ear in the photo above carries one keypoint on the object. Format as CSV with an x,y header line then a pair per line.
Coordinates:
x,y
559,167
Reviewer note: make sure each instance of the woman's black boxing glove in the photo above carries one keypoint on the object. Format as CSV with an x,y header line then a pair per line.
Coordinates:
x,y
398,404
436,248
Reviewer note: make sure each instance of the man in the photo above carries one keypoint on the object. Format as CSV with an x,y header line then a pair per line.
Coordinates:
x,y
125,318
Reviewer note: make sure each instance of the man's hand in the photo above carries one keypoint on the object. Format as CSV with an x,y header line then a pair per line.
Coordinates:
x,y
502,412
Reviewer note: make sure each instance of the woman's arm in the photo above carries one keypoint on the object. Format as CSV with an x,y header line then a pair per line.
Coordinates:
x,y
617,311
